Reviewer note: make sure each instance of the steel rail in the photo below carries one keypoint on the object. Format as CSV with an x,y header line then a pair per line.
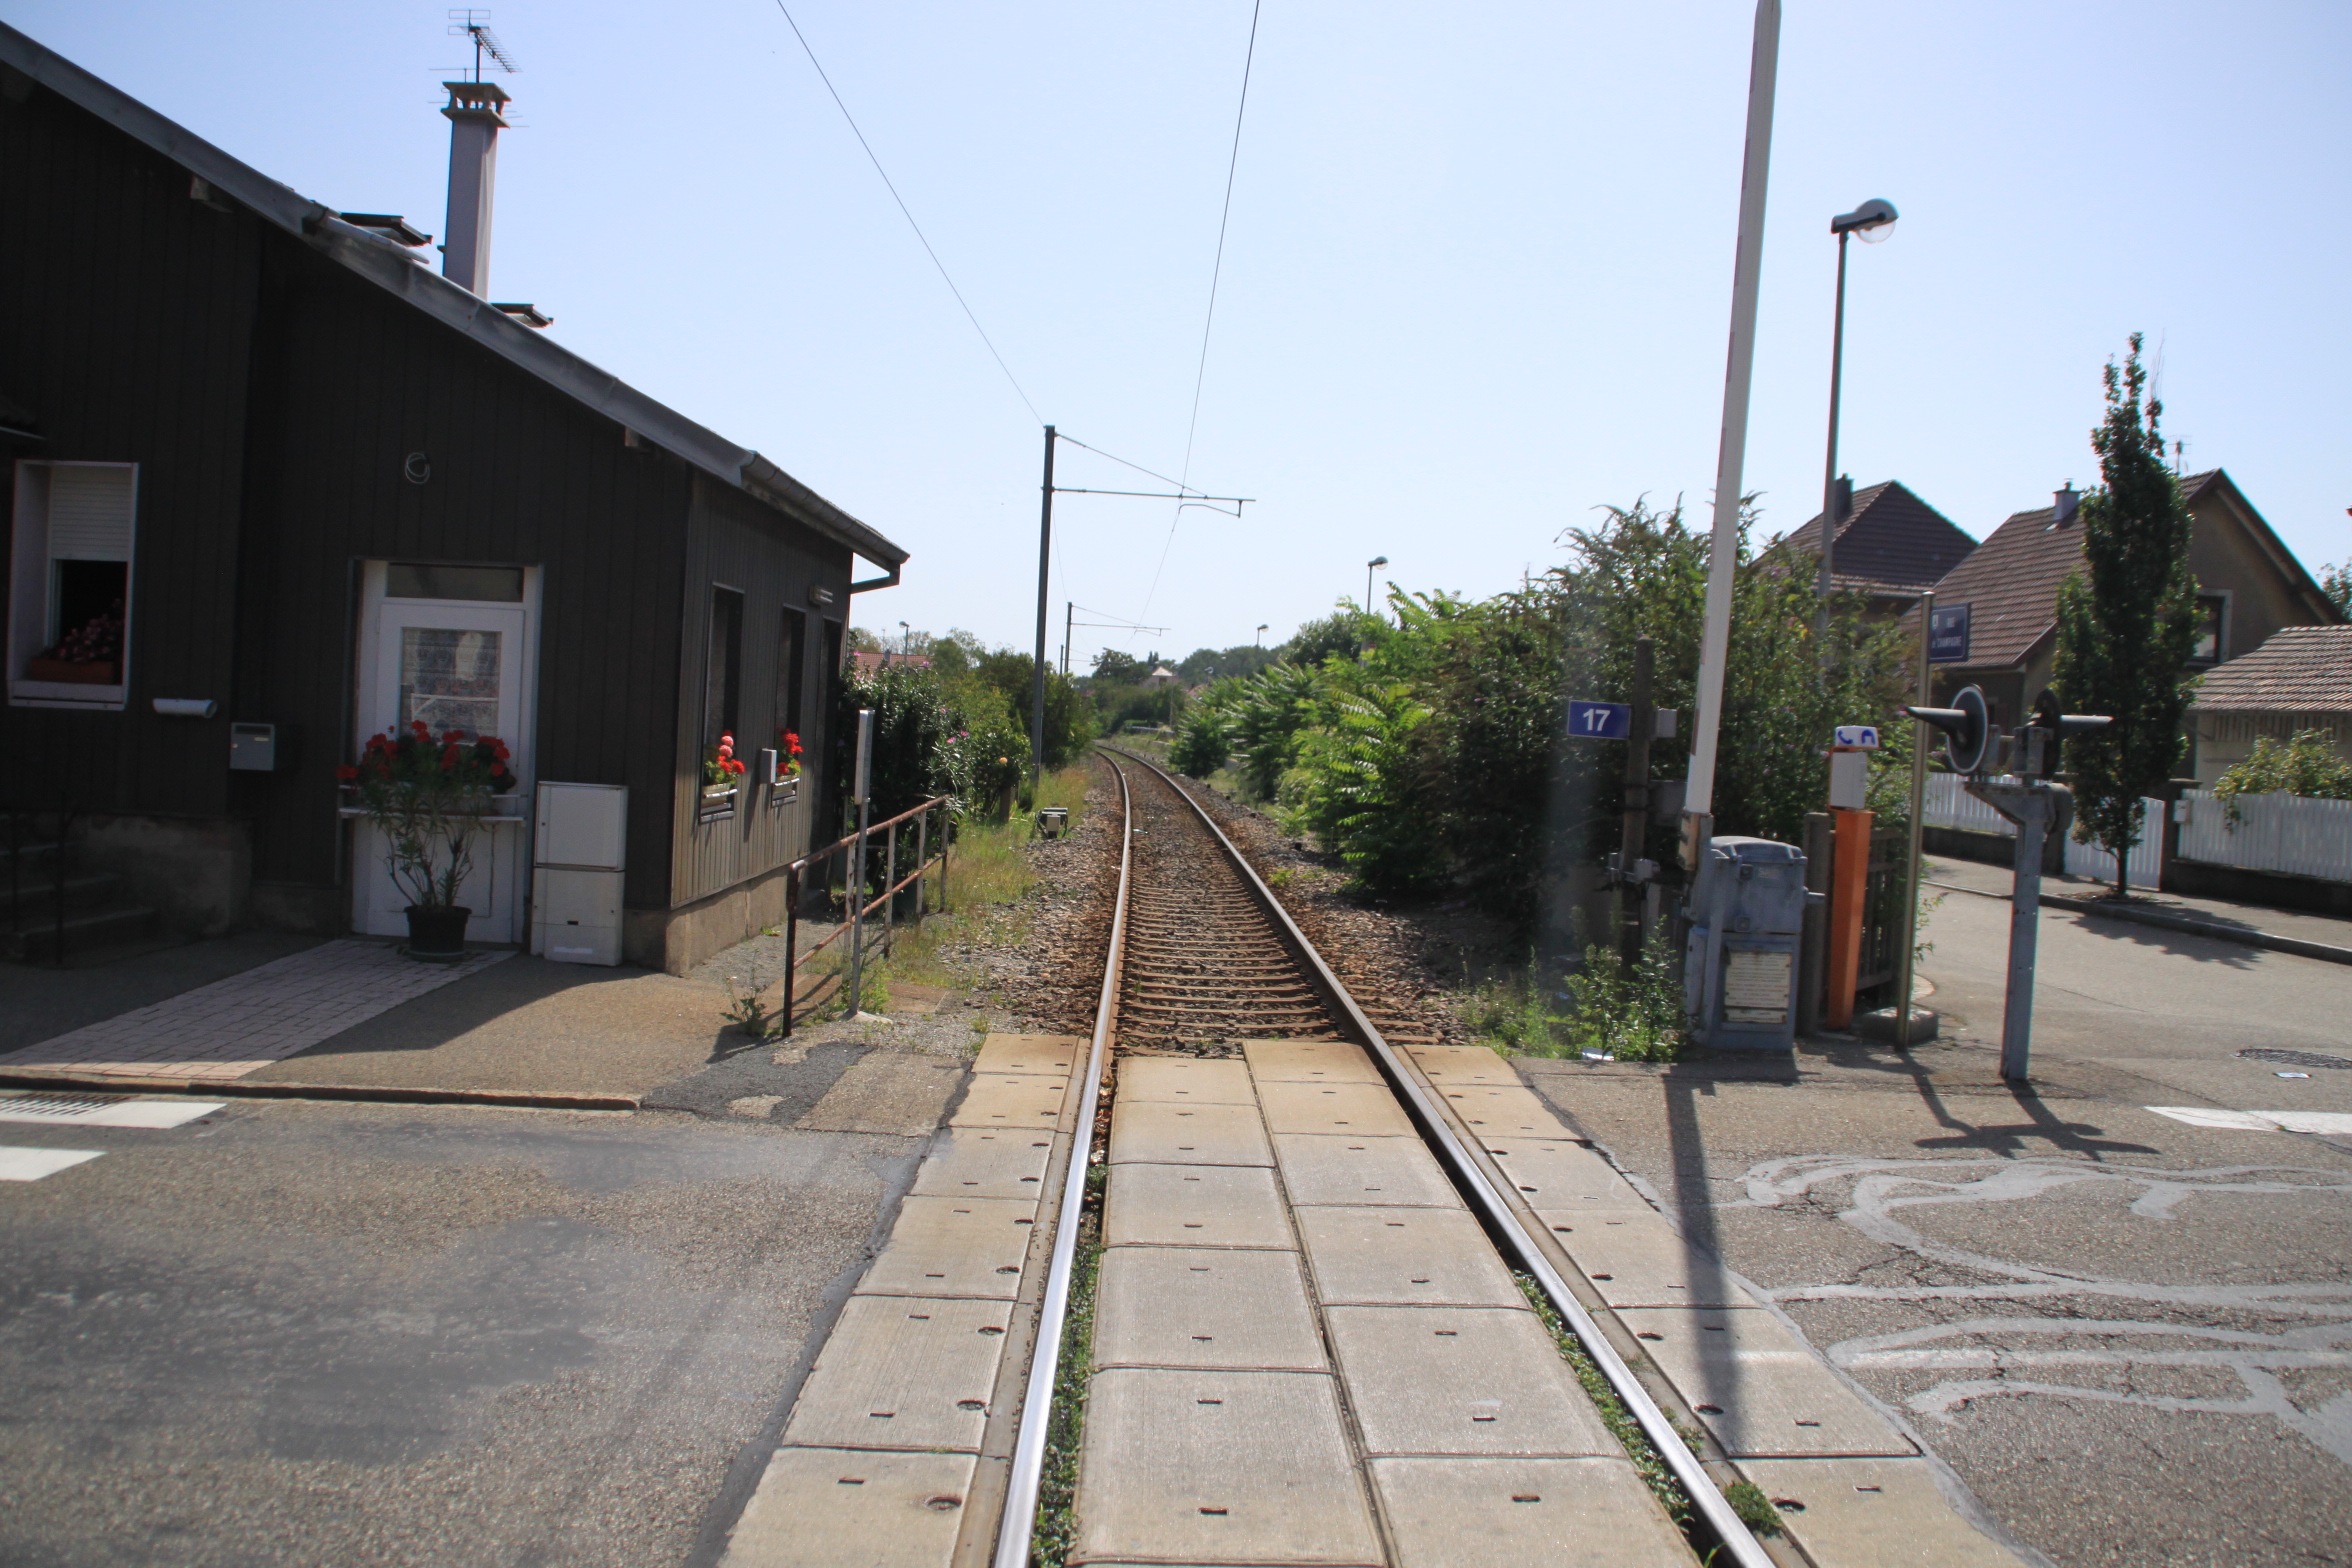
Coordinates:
x,y
1706,1497
1016,1528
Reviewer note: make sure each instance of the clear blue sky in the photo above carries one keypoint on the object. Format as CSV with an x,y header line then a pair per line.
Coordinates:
x,y
1478,275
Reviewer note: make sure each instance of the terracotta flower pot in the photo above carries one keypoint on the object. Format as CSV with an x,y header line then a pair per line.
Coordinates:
x,y
437,935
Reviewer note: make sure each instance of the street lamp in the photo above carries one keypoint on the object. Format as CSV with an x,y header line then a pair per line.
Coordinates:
x,y
1874,220
1369,567
906,641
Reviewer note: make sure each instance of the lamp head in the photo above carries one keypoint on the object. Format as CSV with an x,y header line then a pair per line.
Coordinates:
x,y
1378,560
1873,221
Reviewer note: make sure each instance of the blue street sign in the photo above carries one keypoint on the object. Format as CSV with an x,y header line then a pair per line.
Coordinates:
x,y
1863,737
1599,720
1947,634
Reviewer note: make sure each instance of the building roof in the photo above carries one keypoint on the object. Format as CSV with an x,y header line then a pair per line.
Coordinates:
x,y
398,271
1892,543
2298,669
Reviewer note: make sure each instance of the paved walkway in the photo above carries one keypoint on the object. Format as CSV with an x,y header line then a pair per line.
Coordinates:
x,y
236,1026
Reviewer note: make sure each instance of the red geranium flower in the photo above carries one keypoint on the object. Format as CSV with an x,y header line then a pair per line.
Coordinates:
x,y
347,773
498,770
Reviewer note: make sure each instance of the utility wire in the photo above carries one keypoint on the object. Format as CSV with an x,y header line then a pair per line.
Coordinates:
x,y
1123,463
910,217
1216,273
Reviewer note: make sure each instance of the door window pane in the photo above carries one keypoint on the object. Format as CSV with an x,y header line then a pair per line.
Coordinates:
x,y
422,580
449,678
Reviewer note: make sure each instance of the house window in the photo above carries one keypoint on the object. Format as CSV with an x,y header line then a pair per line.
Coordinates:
x,y
723,674
70,584
791,673
475,584
2211,609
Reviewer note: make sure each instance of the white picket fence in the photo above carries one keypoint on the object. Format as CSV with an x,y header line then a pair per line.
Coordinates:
x,y
2289,833
1950,806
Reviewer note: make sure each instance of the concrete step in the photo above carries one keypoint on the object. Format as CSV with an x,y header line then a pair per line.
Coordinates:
x,y
35,939
36,859
35,897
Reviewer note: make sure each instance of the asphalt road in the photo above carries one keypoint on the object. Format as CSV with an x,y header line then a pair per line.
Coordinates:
x,y
302,1333
2130,1337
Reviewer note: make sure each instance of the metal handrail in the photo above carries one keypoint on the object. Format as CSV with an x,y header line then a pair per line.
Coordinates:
x,y
795,873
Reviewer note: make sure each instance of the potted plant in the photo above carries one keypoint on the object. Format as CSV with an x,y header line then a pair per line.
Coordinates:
x,y
428,797
721,770
89,655
788,765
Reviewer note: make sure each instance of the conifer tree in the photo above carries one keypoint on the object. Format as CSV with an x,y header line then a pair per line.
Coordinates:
x,y
2127,621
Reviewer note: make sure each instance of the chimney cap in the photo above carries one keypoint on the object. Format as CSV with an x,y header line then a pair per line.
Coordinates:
x,y
528,315
475,95
390,225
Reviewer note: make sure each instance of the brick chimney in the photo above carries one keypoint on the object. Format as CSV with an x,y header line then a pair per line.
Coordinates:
x,y
474,123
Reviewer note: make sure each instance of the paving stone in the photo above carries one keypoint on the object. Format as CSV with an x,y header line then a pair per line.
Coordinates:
x,y
1329,1168
1194,1206
1635,1259
1399,1257
1493,1112
1465,1064
846,1508
1873,1513
902,1372
1185,1080
977,1162
954,1247
1010,1100
1220,1467
1232,1311
1759,1390
1365,1110
1454,1380
1309,1061
901,1093
1552,1173
1055,1055
1512,1513
1154,1133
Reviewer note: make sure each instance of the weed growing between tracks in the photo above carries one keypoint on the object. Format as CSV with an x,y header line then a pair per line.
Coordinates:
x,y
1065,1428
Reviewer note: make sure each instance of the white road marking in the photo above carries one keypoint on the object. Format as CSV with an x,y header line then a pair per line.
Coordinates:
x,y
120,1113
2324,1123
33,1164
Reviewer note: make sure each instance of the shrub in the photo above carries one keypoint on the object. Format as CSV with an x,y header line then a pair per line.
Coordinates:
x,y
2307,764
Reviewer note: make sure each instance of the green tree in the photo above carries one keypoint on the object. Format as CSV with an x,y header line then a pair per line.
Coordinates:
x,y
2336,583
2127,621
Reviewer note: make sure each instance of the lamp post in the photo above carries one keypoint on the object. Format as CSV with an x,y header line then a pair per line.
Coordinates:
x,y
1874,220
906,641
1370,567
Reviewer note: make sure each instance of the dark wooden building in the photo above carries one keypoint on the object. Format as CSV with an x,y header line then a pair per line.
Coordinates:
x,y
287,475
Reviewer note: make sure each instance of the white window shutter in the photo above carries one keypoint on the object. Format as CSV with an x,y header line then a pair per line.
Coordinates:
x,y
89,512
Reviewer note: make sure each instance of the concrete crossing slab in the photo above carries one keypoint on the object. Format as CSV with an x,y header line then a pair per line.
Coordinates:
x,y
1365,1110
1461,1064
1159,1134
1509,1513
954,1247
1757,1388
1227,1311
1451,1380
1055,1055
843,1508
902,1372
1636,1259
1495,1112
1010,1100
1195,1206
1552,1173
977,1162
1873,1513
1309,1061
1325,1168
898,1093
1194,1080
1401,1257
1220,1467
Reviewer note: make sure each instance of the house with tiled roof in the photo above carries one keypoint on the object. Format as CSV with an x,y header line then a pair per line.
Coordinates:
x,y
1891,548
2249,586
2299,679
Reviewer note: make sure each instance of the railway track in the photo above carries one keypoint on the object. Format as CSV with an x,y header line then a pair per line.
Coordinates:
x,y
1239,1279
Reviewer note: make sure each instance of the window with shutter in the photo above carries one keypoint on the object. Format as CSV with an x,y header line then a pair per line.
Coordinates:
x,y
70,584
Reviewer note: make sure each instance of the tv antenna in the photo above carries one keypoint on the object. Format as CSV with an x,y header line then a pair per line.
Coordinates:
x,y
475,24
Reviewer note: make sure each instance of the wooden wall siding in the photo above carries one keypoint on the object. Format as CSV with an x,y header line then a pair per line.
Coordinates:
x,y
520,475
125,333
736,541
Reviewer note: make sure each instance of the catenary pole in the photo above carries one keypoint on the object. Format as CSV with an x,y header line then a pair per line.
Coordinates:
x,y
1044,571
1731,456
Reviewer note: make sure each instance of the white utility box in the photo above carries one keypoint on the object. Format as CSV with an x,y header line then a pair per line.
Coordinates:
x,y
580,844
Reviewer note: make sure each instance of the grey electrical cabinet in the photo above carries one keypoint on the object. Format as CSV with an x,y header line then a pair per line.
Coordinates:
x,y
580,845
1747,913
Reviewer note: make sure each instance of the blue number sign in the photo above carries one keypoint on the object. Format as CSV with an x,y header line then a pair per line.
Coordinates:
x,y
1599,720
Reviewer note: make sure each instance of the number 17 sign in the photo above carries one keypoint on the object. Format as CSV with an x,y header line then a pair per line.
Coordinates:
x,y
1599,720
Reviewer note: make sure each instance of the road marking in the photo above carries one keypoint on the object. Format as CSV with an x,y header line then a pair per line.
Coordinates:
x,y
33,1164
83,1111
2324,1123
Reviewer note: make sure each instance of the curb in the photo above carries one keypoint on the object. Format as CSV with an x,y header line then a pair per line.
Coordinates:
x,y
519,1099
2241,935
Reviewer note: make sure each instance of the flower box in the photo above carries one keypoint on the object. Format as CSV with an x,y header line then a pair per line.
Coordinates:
x,y
784,791
716,804
100,672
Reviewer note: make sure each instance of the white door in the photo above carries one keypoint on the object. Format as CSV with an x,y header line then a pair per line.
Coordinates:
x,y
462,665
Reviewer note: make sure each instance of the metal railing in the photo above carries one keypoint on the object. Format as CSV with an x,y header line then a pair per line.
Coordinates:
x,y
796,882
